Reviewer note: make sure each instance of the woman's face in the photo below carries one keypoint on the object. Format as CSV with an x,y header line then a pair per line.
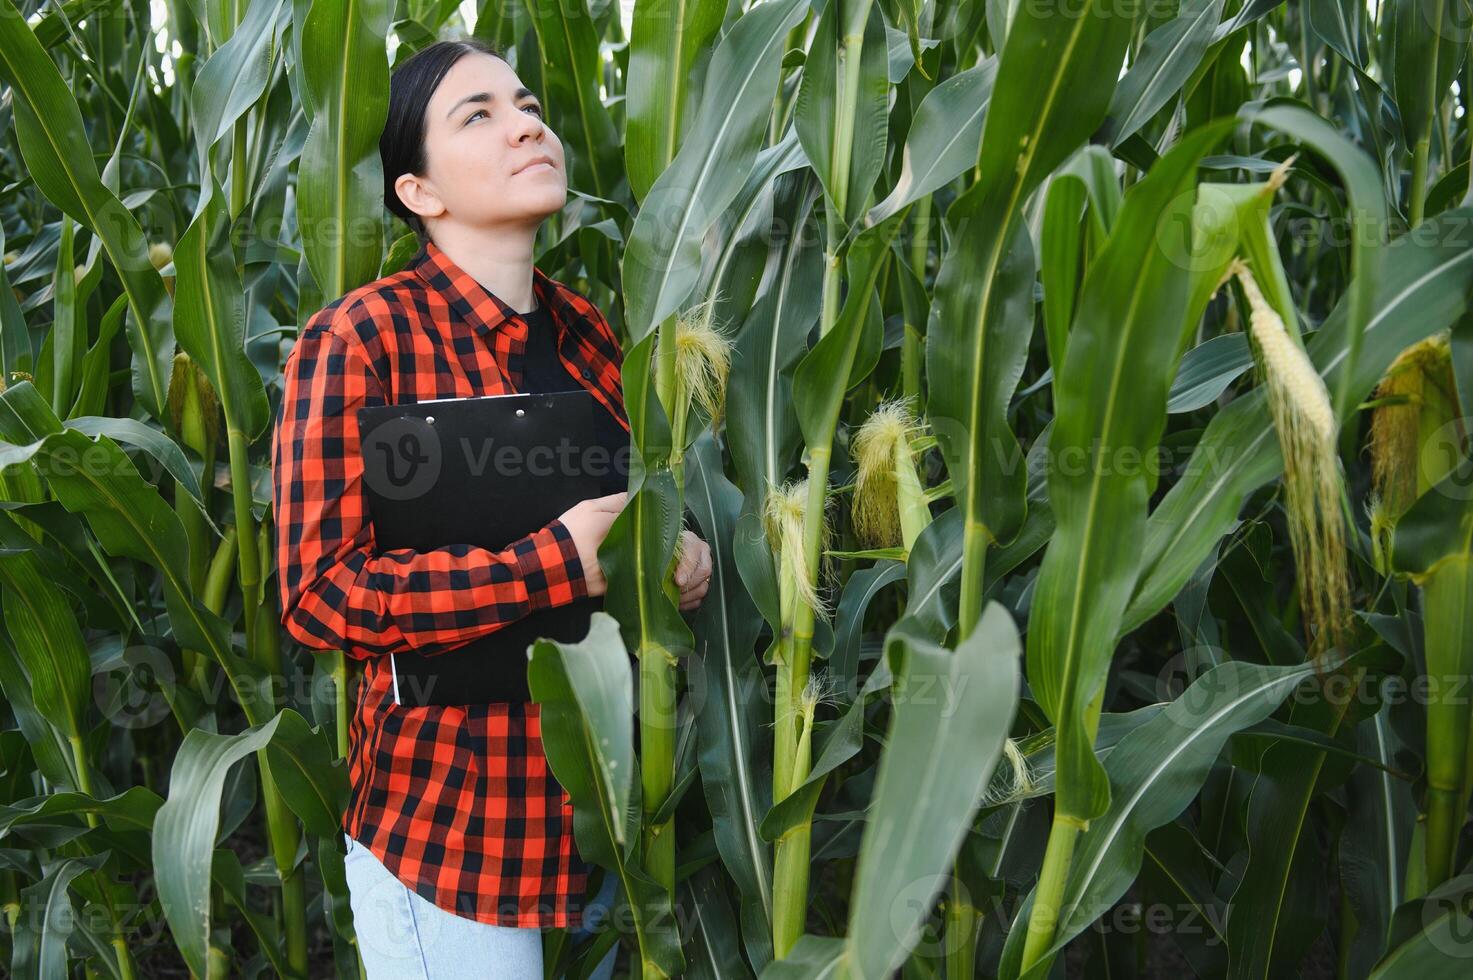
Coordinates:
x,y
483,132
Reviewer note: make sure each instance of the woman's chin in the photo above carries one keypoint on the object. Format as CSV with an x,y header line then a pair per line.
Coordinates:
x,y
532,205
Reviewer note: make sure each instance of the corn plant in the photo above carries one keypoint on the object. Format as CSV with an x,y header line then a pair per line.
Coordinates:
x,y
1073,398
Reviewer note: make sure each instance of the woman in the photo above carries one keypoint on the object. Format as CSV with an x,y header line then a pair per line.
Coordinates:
x,y
460,844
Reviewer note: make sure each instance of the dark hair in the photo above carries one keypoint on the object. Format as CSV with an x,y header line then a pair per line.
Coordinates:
x,y
401,146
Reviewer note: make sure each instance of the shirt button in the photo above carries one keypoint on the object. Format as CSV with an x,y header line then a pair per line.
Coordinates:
x,y
587,373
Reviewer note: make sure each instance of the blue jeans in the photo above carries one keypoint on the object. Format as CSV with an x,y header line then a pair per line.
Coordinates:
x,y
402,936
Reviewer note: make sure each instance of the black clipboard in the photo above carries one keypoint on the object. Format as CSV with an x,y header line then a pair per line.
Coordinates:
x,y
484,471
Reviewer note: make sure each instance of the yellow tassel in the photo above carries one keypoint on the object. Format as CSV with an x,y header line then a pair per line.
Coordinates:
x,y
1279,174
1306,428
1012,781
877,449
783,520
702,361
822,688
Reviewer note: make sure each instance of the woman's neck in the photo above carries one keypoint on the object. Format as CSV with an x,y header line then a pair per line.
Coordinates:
x,y
500,262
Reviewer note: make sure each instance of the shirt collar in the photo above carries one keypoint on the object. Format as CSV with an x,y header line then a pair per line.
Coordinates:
x,y
483,310
474,303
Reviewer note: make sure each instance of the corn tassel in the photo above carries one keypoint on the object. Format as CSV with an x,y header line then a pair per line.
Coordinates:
x,y
889,505
1306,427
1012,783
702,362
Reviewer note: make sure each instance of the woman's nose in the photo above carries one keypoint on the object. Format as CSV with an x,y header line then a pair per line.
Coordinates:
x,y
528,126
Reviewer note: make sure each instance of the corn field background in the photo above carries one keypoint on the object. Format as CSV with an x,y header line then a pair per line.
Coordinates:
x,y
1071,391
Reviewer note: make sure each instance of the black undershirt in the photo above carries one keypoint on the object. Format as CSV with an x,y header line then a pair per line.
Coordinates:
x,y
543,372
541,369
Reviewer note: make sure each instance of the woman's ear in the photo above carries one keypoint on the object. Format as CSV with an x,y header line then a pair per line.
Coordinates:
x,y
419,196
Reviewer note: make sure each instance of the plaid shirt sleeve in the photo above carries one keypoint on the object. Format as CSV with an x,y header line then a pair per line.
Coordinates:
x,y
337,590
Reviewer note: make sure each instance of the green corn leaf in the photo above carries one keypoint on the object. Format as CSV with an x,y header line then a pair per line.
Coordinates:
x,y
185,829
662,260
733,740
128,517
1110,399
53,139
568,40
944,137
46,634
40,951
665,82
953,711
341,185
1423,288
842,103
1154,774
586,694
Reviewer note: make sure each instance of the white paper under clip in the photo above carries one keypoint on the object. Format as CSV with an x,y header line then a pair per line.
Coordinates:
x,y
395,675
461,398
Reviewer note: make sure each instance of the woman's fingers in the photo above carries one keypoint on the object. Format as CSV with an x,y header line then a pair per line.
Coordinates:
x,y
695,567
688,558
694,574
692,599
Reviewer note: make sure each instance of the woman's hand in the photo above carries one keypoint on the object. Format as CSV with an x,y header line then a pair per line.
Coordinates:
x,y
693,573
588,521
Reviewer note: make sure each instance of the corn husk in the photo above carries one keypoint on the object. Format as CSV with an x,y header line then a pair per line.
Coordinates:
x,y
194,408
1417,397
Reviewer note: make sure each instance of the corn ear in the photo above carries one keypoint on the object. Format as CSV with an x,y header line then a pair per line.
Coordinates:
x,y
783,520
889,506
194,408
1416,399
160,255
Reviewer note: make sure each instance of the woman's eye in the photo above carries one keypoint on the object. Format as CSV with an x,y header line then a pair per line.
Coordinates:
x,y
478,112
535,108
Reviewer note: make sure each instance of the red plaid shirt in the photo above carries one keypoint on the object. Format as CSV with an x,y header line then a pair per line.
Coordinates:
x,y
458,802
